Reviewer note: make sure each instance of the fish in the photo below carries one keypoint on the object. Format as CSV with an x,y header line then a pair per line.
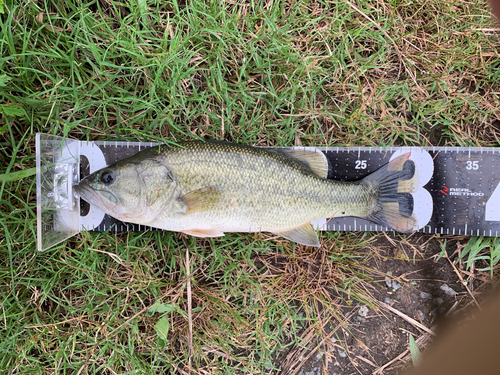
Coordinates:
x,y
209,188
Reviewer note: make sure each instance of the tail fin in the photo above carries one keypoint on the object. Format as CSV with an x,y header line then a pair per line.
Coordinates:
x,y
392,183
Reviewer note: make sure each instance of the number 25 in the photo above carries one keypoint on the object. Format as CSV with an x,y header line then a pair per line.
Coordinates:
x,y
360,164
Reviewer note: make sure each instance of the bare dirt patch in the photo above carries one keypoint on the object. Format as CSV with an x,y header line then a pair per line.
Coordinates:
x,y
412,294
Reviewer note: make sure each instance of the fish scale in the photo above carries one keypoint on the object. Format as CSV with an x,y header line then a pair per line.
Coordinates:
x,y
255,183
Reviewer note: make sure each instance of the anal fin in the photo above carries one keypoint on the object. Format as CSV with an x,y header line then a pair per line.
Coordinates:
x,y
203,232
304,235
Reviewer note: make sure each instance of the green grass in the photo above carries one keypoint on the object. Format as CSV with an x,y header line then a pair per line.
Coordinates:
x,y
259,72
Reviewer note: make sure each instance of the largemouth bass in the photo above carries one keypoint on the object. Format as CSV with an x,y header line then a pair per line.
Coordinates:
x,y
205,189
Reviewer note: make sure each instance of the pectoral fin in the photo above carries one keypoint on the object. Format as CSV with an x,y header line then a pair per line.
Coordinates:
x,y
203,232
200,200
304,235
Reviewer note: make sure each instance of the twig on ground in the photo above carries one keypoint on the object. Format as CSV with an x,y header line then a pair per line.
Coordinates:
x,y
407,318
296,356
421,342
464,283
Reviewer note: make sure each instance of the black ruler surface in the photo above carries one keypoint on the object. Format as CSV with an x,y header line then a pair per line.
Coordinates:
x,y
462,190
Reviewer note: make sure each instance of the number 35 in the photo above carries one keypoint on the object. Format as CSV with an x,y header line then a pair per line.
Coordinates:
x,y
472,165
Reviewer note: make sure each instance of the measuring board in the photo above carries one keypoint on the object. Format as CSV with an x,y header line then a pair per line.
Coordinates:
x,y
458,193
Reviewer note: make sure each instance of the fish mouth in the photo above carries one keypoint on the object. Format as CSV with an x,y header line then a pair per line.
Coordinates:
x,y
92,196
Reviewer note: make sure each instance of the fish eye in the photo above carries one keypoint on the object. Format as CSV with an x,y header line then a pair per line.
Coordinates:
x,y
107,177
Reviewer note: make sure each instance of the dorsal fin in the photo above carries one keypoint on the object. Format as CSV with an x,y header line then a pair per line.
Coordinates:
x,y
315,160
